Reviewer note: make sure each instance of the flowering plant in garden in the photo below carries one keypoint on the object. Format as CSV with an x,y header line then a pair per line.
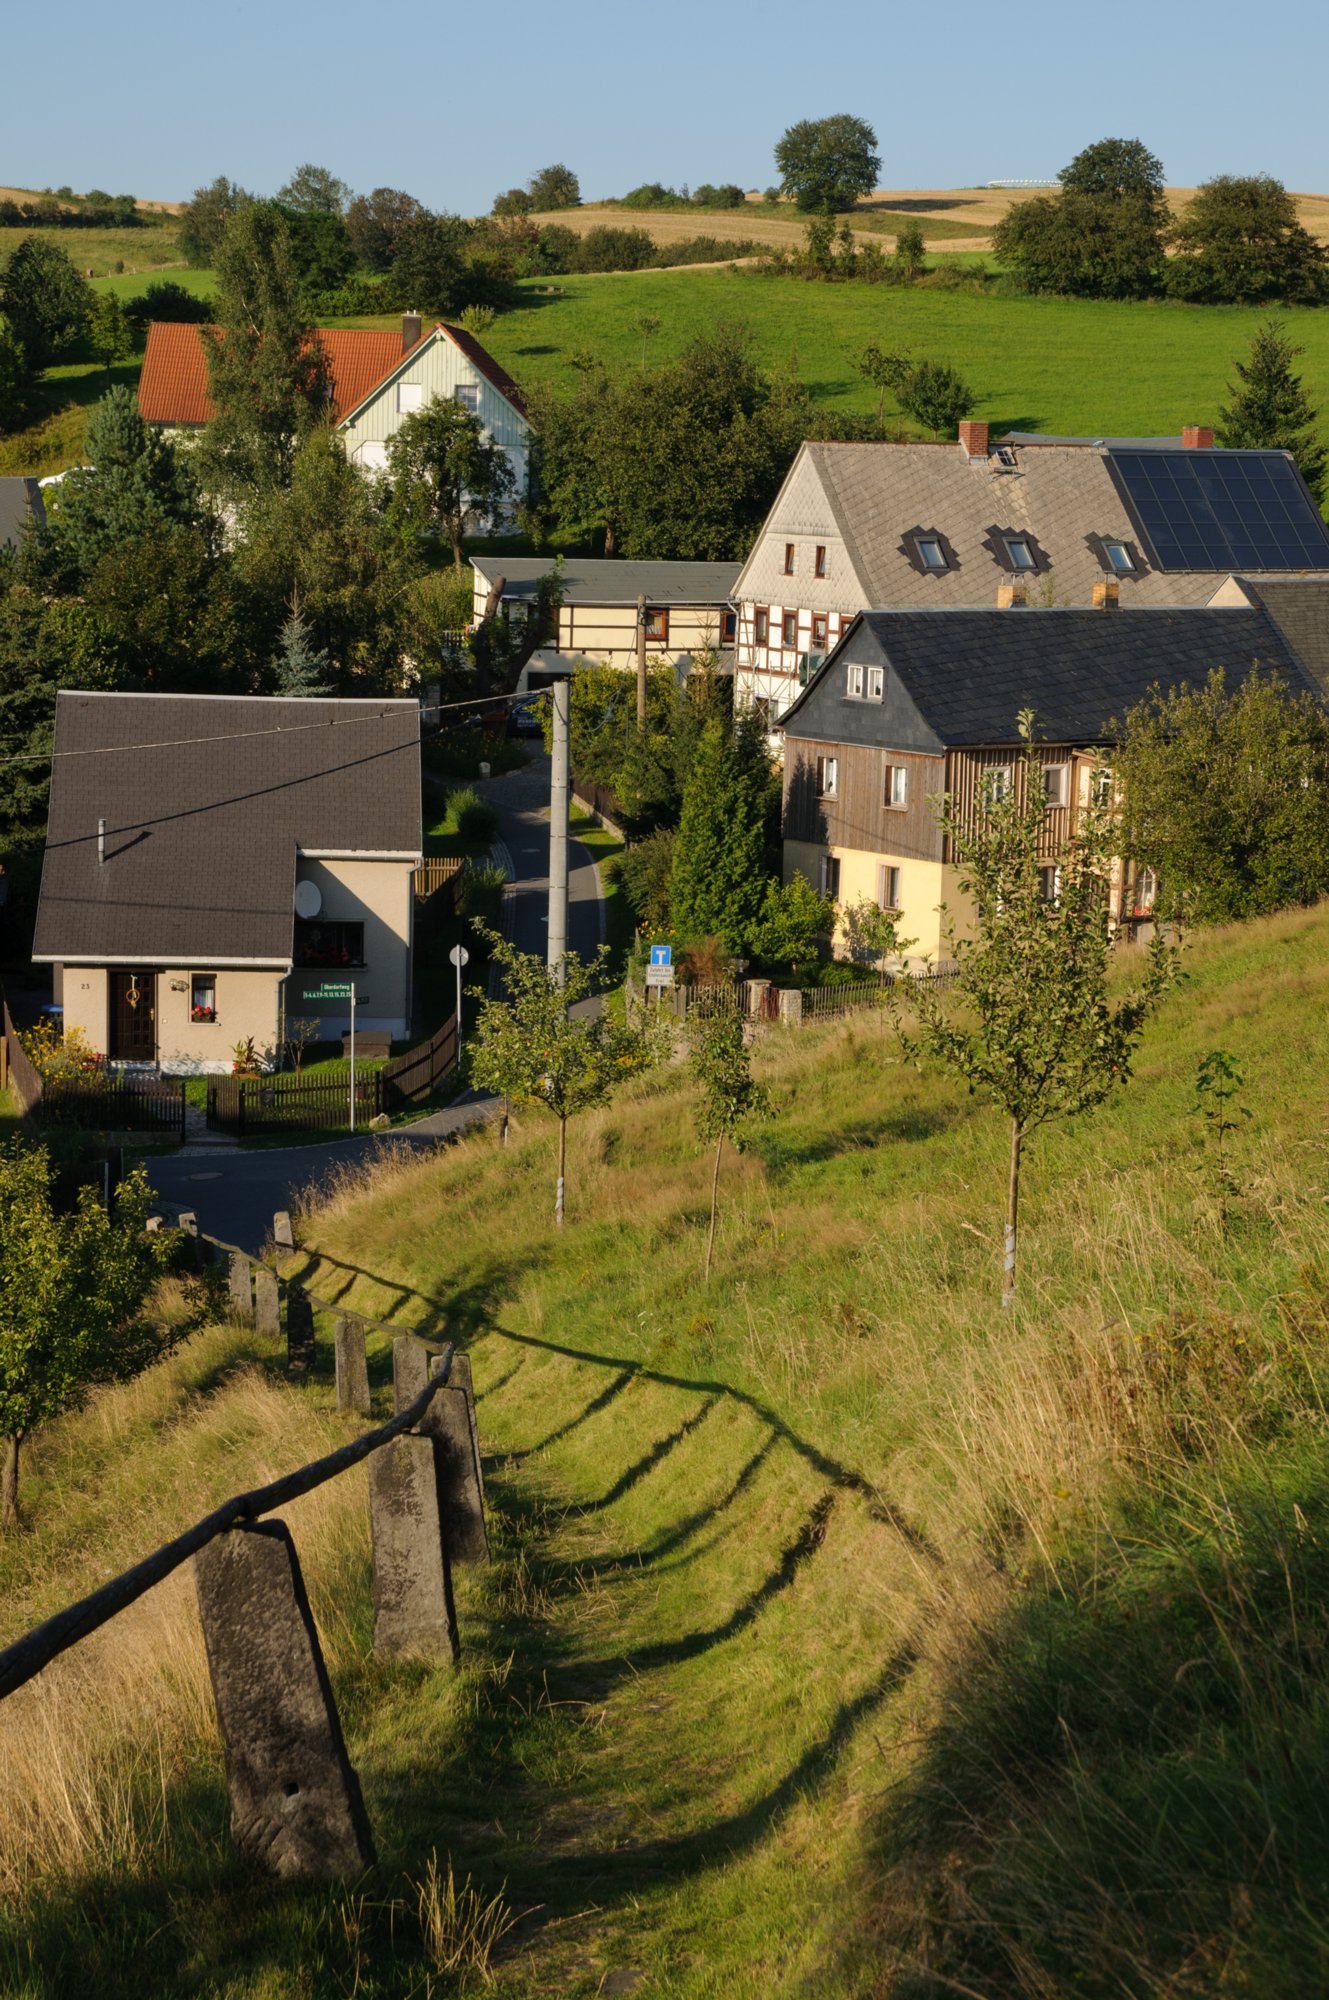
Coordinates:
x,y
57,1057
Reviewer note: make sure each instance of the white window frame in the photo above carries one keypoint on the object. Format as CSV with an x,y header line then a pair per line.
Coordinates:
x,y
468,395
895,787
997,782
828,777
888,878
1056,784
410,398
876,683
829,876
1052,871
853,683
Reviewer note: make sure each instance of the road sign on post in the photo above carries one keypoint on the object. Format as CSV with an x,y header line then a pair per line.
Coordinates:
x,y
660,971
459,956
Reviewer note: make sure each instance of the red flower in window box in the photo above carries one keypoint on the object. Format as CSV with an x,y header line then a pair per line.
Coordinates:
x,y
203,1013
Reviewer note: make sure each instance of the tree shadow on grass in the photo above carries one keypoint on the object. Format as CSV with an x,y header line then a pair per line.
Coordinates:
x,y
781,1152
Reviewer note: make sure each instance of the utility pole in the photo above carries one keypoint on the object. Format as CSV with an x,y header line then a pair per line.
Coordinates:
x,y
558,830
641,663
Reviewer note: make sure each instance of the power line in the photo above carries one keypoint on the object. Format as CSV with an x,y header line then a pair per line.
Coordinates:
x,y
279,729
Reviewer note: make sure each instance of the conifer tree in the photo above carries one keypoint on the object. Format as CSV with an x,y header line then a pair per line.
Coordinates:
x,y
300,667
717,881
135,483
1270,407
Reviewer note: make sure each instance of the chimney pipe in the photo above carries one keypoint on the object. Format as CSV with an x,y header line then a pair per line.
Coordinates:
x,y
411,330
1107,595
1197,437
974,440
101,843
1012,596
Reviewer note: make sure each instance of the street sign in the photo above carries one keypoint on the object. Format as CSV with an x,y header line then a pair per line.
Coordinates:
x,y
662,954
329,990
459,956
659,975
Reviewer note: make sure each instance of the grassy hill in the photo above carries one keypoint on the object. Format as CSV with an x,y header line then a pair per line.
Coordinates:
x,y
845,1637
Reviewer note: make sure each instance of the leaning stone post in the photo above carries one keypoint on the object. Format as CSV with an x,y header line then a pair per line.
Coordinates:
x,y
352,1366
410,1371
240,1286
267,1300
282,1233
413,1608
295,1800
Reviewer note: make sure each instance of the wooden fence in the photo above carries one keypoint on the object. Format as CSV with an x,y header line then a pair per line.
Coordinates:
x,y
20,1074
296,1805
437,875
422,1068
244,1104
94,1100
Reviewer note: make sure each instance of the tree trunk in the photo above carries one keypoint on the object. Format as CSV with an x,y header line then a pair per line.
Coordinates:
x,y
609,538
562,1162
455,533
1012,1217
715,1195
9,1517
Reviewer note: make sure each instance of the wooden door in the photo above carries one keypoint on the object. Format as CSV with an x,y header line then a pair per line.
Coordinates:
x,y
133,1017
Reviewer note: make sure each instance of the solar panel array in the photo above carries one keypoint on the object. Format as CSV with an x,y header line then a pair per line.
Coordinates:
x,y
1236,510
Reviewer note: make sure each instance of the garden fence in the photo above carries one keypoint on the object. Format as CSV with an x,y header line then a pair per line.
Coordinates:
x,y
96,1099
243,1104
296,1805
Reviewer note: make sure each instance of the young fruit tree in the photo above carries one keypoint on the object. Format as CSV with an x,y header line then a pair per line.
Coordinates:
x,y
721,1062
526,1046
71,1292
1035,1029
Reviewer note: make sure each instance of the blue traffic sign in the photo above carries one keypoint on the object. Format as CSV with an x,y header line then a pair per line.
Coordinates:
x,y
662,954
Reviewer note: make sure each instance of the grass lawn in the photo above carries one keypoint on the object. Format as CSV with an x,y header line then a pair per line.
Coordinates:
x,y
132,284
151,249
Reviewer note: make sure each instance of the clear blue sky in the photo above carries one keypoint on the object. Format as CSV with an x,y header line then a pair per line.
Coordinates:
x,y
455,103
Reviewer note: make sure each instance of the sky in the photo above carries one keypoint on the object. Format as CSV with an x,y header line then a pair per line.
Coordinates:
x,y
454,104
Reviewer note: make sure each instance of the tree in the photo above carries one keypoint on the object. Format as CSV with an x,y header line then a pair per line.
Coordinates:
x,y
71,1292
828,163
15,378
910,250
1225,795
1270,408
514,202
134,482
794,916
1084,245
884,369
110,334
872,934
313,190
936,396
44,301
647,325
717,880
374,222
166,301
527,1046
555,187
446,470
205,217
299,668
1116,170
721,1063
1240,243
1039,1034
268,376
321,248
429,262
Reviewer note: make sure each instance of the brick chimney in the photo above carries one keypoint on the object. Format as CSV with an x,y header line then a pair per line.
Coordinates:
x,y
1197,437
1107,595
1012,596
412,328
974,440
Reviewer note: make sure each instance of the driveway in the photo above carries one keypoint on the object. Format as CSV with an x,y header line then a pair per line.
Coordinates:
x,y
236,1192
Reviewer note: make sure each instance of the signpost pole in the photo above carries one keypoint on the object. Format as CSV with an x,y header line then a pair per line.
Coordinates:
x,y
352,1055
558,833
459,956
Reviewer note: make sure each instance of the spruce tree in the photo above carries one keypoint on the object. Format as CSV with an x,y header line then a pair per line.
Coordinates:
x,y
717,881
300,667
1270,408
134,484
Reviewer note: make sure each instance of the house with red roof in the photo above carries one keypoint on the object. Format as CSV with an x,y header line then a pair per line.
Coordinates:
x,y
377,379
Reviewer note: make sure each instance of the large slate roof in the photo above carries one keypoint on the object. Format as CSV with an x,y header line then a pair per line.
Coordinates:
x,y
1299,608
968,674
612,582
202,824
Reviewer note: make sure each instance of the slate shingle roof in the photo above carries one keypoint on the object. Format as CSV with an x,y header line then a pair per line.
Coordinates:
x,y
969,673
1299,608
202,828
610,582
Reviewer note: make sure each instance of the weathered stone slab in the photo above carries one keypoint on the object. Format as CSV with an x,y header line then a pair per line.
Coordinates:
x,y
295,1800
239,1284
448,1418
267,1300
282,1233
413,1610
410,1371
352,1366
461,1378
299,1330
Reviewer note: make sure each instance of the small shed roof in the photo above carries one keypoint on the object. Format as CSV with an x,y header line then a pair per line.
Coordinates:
x,y
206,800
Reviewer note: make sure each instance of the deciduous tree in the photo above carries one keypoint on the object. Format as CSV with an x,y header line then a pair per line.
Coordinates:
x,y
527,1045
374,222
1035,1029
446,471
935,395
314,190
1240,242
1270,408
731,1099
828,163
205,217
72,1289
555,187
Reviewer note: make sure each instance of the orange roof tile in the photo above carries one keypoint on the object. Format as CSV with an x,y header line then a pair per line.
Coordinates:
x,y
173,384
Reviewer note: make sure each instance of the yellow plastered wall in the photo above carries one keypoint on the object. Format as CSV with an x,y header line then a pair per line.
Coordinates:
x,y
921,889
247,1004
380,895
81,991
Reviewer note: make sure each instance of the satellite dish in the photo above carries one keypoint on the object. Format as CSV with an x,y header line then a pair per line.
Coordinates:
x,y
308,899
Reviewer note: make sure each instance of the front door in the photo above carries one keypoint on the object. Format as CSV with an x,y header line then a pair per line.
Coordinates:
x,y
133,1017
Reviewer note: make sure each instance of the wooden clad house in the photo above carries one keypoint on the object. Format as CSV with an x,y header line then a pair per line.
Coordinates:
x,y
212,861
915,705
377,379
858,527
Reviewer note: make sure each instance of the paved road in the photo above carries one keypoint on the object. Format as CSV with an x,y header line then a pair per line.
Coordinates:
x,y
237,1191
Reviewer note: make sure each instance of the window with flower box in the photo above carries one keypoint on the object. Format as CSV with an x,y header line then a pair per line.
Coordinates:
x,y
203,997
322,944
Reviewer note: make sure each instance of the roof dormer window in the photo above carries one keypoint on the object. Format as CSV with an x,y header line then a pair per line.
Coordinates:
x,y
931,553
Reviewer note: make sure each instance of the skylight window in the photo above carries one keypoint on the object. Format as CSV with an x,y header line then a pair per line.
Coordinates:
x,y
1120,557
1020,553
931,553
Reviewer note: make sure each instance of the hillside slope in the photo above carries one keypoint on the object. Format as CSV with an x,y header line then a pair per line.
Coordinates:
x,y
845,1637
